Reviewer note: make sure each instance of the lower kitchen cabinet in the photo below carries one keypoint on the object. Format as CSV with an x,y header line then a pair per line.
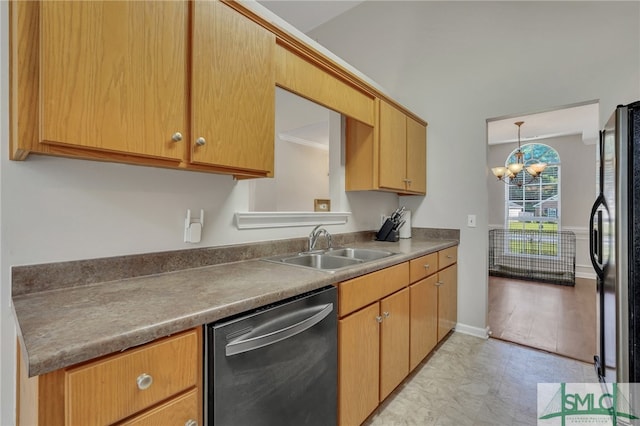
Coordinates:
x,y
373,341
447,300
140,386
394,341
424,319
358,365
390,320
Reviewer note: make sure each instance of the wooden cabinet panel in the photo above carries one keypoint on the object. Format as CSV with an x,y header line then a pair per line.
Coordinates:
x,y
233,90
300,76
416,157
105,391
394,341
361,155
392,128
366,289
358,365
178,411
447,257
447,300
423,266
107,85
424,319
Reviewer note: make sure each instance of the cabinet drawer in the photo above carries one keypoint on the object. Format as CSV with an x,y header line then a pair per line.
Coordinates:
x,y
362,291
447,257
178,411
423,266
108,390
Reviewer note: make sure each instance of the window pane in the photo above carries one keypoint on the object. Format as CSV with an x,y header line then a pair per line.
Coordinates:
x,y
535,206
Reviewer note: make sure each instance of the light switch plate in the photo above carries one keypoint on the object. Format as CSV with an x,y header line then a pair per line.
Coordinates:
x,y
471,221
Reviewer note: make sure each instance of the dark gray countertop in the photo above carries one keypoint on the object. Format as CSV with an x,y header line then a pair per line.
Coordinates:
x,y
65,326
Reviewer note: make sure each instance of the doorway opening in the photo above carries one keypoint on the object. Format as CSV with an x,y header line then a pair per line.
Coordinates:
x,y
553,314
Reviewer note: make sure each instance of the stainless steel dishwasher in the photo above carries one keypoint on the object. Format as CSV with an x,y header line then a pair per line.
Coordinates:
x,y
274,366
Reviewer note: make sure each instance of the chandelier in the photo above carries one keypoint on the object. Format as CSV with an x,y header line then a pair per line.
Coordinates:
x,y
510,173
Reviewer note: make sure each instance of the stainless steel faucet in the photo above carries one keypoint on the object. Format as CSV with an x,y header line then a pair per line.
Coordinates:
x,y
313,237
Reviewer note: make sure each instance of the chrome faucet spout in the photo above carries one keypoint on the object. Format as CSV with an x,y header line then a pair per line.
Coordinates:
x,y
315,234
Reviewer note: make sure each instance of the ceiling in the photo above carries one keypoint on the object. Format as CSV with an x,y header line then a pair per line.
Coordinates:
x,y
573,120
305,15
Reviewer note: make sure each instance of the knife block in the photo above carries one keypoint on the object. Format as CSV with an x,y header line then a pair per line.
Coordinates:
x,y
387,233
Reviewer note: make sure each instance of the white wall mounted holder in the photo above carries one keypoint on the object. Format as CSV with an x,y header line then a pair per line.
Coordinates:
x,y
193,228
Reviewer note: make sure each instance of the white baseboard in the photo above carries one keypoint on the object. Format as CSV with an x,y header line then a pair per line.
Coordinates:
x,y
584,274
473,331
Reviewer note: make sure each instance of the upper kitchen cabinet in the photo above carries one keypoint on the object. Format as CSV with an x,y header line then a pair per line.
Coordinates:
x,y
416,180
389,156
173,84
113,76
233,90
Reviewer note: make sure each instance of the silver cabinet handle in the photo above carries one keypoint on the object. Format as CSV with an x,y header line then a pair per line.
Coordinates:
x,y
248,342
379,318
386,314
191,422
177,137
144,381
449,256
426,266
439,283
201,141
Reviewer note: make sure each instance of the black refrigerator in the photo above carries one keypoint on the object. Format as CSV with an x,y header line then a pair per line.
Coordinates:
x,y
615,247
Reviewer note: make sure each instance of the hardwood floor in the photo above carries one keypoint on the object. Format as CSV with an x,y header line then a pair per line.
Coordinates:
x,y
554,318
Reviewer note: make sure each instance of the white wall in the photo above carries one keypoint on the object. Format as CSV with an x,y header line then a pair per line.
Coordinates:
x,y
56,209
458,63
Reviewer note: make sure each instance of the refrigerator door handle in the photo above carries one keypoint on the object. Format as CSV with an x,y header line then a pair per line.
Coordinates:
x,y
595,237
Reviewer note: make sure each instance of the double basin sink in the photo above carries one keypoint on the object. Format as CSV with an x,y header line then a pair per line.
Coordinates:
x,y
332,259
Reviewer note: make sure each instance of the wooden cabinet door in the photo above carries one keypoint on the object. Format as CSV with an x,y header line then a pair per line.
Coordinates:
x,y
424,319
233,90
392,147
131,381
416,157
113,75
447,300
358,365
394,341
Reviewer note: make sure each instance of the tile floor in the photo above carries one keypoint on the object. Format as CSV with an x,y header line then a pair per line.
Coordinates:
x,y
555,318
472,381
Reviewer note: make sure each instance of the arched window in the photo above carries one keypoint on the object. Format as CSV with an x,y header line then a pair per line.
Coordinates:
x,y
535,205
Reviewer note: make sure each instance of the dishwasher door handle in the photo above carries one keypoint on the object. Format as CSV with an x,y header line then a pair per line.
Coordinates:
x,y
241,344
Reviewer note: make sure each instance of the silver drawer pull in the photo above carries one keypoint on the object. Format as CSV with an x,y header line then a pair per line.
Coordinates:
x,y
144,381
426,266
191,422
379,318
177,137
439,283
386,314
449,256
201,141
